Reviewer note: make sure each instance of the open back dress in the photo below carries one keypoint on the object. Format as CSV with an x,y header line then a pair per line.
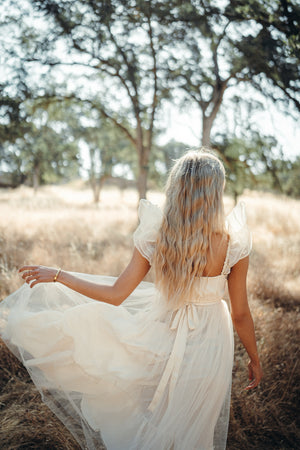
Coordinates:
x,y
138,376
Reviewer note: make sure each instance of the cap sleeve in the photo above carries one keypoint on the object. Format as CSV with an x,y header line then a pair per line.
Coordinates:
x,y
240,237
144,237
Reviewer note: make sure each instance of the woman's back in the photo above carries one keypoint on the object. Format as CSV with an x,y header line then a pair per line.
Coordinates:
x,y
216,255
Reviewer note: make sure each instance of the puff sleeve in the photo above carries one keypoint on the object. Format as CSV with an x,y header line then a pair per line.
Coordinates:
x,y
144,237
240,241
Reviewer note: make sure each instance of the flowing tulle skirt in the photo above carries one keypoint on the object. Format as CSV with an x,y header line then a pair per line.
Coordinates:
x,y
137,376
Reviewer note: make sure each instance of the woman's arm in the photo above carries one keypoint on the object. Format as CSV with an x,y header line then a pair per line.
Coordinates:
x,y
115,295
242,318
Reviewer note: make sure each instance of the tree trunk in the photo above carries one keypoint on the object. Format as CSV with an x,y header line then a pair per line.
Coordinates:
x,y
143,154
36,173
142,181
96,192
208,120
97,185
235,196
207,124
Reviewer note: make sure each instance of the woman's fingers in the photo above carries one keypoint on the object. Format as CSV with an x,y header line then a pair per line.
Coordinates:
x,y
252,385
36,282
255,375
37,274
28,268
31,274
32,277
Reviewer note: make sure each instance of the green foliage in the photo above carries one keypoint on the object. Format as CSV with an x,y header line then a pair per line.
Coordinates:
x,y
171,151
109,151
46,153
290,178
272,51
255,163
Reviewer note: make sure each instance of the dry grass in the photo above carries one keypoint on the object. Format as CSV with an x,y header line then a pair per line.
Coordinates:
x,y
61,227
26,423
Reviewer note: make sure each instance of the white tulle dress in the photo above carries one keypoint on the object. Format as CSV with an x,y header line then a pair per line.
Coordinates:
x,y
137,376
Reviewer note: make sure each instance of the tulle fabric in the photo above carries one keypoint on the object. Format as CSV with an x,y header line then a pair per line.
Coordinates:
x,y
139,376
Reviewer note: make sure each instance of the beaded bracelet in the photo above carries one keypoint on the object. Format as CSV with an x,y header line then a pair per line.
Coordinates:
x,y
57,275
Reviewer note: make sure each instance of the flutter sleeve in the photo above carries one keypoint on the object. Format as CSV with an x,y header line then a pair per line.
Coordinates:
x,y
145,235
240,237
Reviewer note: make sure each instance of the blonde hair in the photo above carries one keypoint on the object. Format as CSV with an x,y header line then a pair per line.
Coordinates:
x,y
193,212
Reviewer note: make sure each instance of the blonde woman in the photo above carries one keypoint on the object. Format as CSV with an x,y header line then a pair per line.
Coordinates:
x,y
145,367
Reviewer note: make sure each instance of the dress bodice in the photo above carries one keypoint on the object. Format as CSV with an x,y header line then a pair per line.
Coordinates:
x,y
239,246
209,289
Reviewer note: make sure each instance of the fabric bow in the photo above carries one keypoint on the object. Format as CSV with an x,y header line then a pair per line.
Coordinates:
x,y
183,320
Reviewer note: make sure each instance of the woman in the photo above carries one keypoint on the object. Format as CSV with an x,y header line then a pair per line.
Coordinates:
x,y
148,367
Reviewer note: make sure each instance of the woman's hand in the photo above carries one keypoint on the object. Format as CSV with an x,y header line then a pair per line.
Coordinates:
x,y
38,274
255,375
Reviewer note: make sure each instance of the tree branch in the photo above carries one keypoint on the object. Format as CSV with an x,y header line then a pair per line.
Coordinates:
x,y
94,105
215,54
118,124
154,99
217,98
125,59
94,67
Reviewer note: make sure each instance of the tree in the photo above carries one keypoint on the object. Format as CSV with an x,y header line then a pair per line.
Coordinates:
x,y
252,159
46,152
272,52
254,162
121,43
16,80
107,148
171,151
290,178
220,47
134,54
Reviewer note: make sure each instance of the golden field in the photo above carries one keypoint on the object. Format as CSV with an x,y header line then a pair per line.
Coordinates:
x,y
60,226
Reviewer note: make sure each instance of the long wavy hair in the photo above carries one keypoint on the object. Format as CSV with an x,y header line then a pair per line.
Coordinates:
x,y
193,212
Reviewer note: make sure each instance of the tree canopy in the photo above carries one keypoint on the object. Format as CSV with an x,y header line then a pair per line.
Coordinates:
x,y
123,61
